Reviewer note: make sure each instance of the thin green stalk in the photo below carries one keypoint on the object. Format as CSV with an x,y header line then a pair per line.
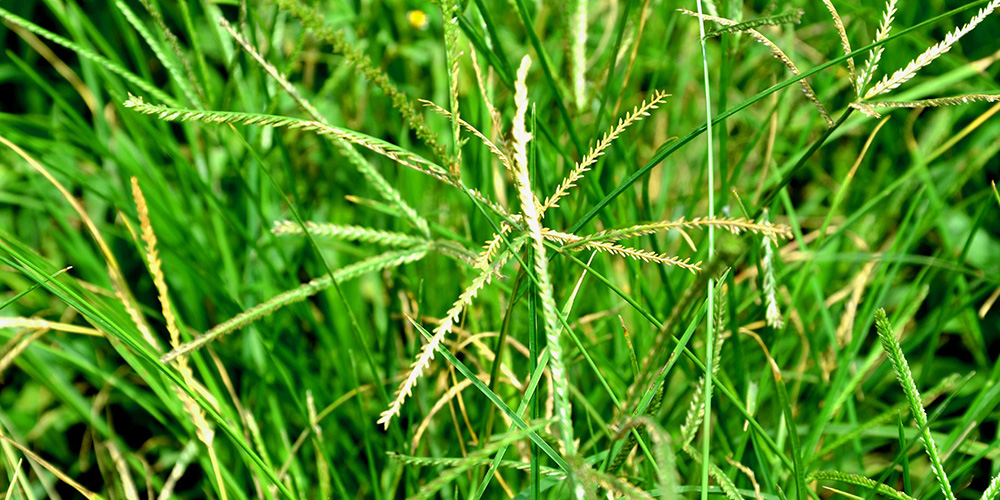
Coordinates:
x,y
89,54
706,447
168,62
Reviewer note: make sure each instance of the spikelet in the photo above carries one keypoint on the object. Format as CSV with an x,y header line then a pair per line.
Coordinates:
x,y
449,11
531,214
876,55
736,226
474,131
491,247
845,43
791,17
778,54
928,103
994,487
156,270
346,233
893,351
772,313
387,260
427,352
928,56
622,251
638,113
470,461
203,430
859,480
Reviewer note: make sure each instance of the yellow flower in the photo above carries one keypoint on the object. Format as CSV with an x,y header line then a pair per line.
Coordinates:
x,y
417,18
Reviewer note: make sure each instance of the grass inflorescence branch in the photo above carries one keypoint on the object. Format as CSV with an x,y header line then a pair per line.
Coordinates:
x,y
890,344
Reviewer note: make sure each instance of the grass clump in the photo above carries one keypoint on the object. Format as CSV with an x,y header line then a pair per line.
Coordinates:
x,y
224,244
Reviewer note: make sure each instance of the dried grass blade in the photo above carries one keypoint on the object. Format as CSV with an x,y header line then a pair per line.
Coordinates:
x,y
89,495
114,269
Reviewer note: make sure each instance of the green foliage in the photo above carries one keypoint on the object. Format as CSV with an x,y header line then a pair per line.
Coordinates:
x,y
321,239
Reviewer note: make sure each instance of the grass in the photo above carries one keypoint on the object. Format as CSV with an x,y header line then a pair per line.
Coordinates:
x,y
293,249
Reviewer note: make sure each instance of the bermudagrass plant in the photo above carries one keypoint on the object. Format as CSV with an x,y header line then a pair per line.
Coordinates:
x,y
860,80
528,219
515,231
521,234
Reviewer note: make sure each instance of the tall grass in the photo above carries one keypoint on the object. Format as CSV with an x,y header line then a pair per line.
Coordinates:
x,y
382,250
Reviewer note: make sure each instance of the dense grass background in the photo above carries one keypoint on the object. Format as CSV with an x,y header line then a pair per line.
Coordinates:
x,y
914,229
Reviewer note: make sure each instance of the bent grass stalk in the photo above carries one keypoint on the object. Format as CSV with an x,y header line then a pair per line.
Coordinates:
x,y
89,54
778,54
389,150
387,260
175,72
315,22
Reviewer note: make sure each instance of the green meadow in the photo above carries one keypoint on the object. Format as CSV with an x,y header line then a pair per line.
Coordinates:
x,y
388,249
